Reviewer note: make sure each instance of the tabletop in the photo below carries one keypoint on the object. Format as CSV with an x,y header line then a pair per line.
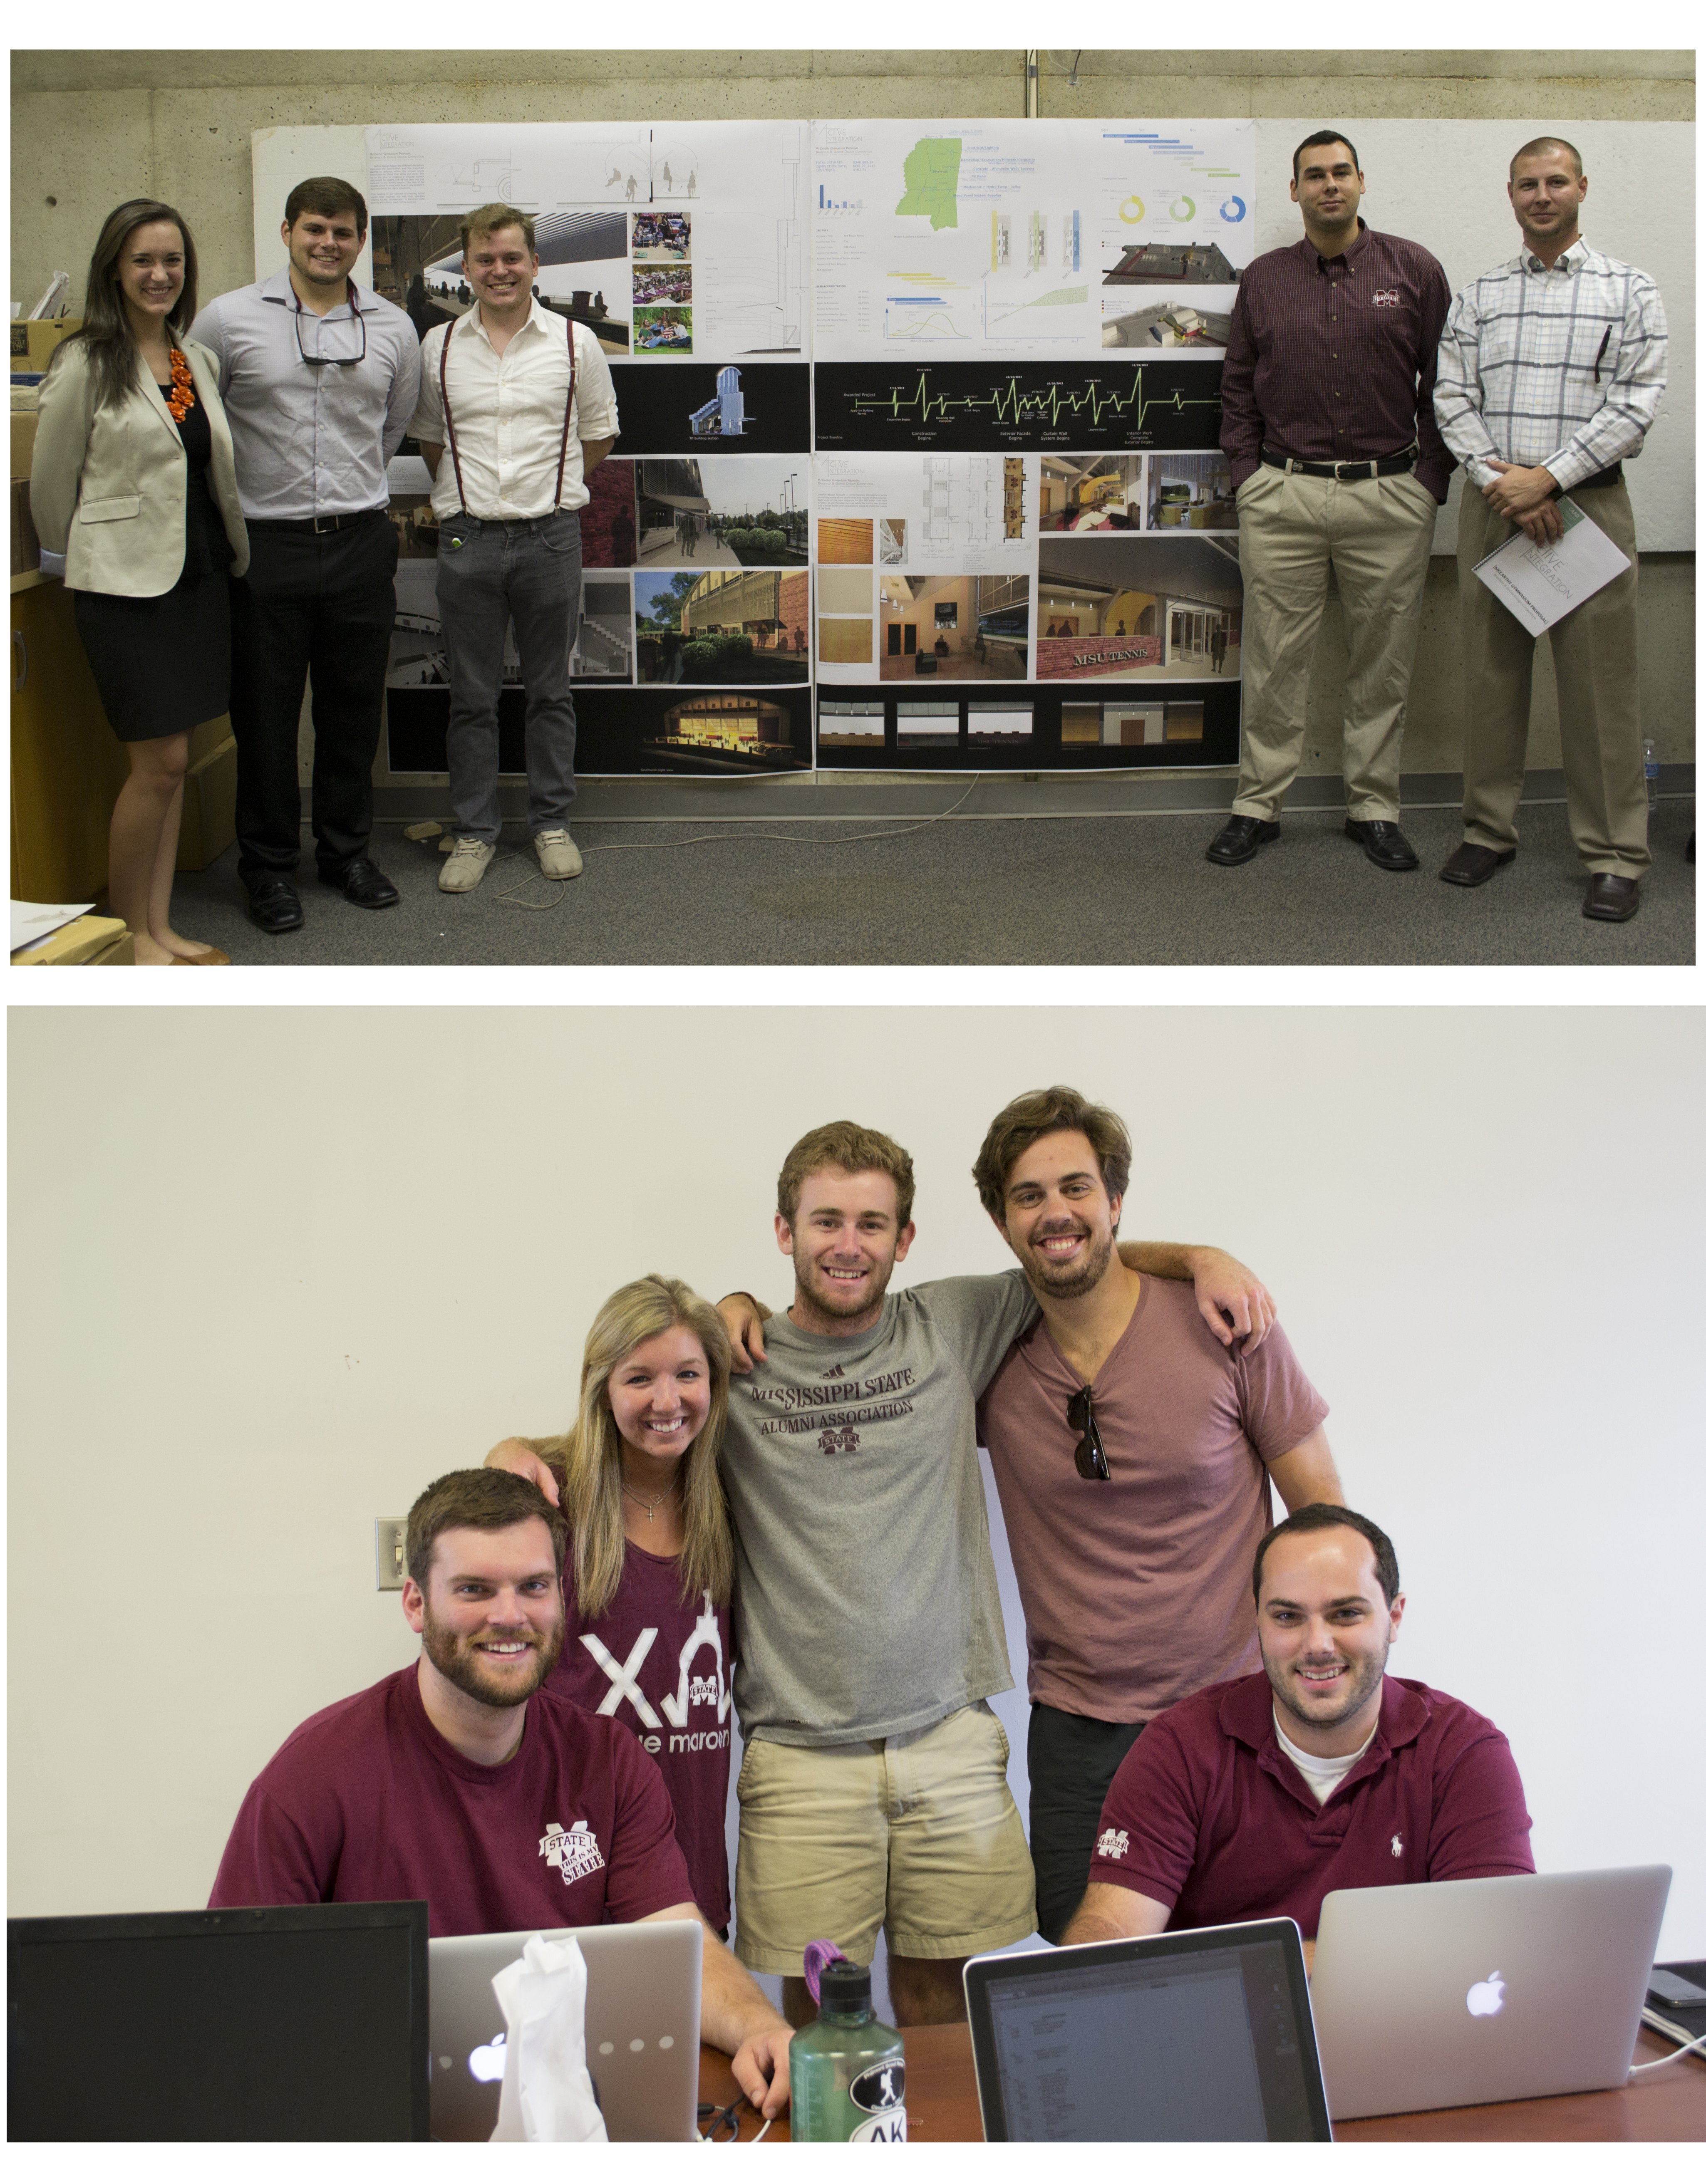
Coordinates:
x,y
942,2102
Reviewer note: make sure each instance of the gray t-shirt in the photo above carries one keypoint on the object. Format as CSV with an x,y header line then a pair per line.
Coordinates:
x,y
865,1596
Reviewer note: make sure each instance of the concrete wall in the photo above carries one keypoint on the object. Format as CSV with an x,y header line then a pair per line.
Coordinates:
x,y
91,128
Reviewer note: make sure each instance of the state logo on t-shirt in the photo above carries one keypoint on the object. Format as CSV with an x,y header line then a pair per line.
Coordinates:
x,y
1113,1842
573,1851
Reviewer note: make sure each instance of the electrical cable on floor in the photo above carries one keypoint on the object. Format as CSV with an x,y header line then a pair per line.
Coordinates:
x,y
811,841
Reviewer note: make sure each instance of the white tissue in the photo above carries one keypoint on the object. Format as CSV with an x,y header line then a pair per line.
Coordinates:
x,y
547,2095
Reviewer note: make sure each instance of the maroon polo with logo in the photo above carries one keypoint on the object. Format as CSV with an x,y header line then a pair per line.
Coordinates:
x,y
1207,1816
660,1666
366,1804
1332,360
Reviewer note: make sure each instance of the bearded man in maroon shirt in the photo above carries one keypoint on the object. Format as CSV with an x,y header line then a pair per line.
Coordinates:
x,y
1256,1798
1327,416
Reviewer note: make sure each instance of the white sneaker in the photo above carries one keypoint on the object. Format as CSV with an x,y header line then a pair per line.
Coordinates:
x,y
559,858
464,867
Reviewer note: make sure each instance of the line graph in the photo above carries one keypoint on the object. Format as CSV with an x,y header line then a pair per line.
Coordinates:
x,y
975,407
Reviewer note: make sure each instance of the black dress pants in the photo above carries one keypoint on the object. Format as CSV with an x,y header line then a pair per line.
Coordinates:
x,y
319,604
1073,1760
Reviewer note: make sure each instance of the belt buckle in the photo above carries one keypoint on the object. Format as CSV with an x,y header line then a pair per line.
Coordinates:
x,y
323,524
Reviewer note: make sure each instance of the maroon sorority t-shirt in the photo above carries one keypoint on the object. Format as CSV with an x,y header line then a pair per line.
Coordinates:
x,y
366,1804
1136,1588
1208,1816
659,1665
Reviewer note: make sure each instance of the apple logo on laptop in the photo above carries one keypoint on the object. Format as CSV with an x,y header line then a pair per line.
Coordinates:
x,y
487,2063
1487,1996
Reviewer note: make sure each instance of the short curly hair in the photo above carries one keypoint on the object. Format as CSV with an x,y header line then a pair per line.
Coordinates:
x,y
1036,1115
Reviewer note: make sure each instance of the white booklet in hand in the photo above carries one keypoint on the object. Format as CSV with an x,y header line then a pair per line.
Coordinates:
x,y
1540,584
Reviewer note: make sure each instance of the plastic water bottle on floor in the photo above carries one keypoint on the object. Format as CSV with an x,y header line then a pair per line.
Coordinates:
x,y
1651,752
847,2073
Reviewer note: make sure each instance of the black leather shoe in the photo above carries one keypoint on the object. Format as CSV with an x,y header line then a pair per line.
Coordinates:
x,y
1612,897
364,884
1471,865
275,904
1240,838
1382,844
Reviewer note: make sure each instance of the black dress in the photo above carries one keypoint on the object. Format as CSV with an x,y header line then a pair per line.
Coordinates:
x,y
162,665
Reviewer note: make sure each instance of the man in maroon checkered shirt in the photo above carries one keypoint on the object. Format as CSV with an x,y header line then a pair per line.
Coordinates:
x,y
1327,420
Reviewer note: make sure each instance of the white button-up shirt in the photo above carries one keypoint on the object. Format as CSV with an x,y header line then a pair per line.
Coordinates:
x,y
311,439
1564,367
508,414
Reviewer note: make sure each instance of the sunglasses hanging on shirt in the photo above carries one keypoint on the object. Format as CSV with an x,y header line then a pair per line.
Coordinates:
x,y
1089,1455
319,357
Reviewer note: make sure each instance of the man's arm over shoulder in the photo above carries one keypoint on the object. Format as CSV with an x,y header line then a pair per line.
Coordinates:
x,y
269,1858
1481,1821
979,1317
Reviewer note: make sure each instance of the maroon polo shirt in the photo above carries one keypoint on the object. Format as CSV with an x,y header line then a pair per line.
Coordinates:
x,y
1333,359
1208,1816
366,1804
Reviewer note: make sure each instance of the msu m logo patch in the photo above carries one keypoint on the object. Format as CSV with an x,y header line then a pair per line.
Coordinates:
x,y
1387,296
1113,1842
838,1438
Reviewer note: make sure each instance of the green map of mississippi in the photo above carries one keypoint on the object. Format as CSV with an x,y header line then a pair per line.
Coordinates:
x,y
932,172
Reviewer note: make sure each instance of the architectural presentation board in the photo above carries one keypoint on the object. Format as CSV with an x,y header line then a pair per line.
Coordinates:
x,y
919,463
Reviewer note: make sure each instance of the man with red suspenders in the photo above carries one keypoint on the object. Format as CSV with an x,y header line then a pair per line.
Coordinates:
x,y
523,400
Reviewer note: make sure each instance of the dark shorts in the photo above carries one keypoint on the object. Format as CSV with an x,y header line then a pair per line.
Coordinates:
x,y
1073,1760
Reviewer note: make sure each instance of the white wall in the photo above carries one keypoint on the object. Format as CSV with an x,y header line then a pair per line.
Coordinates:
x,y
274,1268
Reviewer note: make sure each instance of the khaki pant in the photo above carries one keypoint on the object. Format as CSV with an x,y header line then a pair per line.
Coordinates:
x,y
919,1834
1593,655
1377,534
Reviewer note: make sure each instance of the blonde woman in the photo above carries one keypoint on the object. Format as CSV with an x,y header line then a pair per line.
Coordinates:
x,y
650,1563
132,482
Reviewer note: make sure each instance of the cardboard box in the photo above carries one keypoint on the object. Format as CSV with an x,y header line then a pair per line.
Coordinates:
x,y
206,739
210,808
35,340
26,547
122,950
23,441
86,939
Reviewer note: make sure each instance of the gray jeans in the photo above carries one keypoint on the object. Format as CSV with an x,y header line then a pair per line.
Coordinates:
x,y
489,574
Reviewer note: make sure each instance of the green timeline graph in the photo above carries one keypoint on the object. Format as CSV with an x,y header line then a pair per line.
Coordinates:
x,y
988,408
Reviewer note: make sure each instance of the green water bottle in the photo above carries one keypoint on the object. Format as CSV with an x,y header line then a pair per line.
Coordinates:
x,y
847,2073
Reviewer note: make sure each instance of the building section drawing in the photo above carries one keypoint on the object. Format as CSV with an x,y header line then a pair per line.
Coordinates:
x,y
541,166
971,237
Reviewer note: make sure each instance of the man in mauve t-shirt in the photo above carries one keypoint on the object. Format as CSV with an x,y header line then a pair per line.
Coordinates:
x,y
462,1780
1258,1797
1134,1450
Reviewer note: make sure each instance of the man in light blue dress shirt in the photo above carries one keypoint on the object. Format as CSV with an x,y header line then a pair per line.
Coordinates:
x,y
320,378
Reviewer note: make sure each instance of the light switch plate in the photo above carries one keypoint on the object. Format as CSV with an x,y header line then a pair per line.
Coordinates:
x,y
387,1552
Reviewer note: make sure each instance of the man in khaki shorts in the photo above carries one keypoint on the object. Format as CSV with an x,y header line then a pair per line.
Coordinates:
x,y
873,1791
1551,372
1327,418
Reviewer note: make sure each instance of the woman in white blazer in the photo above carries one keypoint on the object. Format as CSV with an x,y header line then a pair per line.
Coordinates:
x,y
132,482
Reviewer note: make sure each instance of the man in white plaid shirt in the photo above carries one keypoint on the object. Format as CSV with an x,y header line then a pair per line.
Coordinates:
x,y
1551,370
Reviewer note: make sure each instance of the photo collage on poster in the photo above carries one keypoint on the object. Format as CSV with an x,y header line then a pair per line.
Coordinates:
x,y
1025,536
918,422
680,249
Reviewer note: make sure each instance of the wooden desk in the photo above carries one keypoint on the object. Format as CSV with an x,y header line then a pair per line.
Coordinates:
x,y
942,2102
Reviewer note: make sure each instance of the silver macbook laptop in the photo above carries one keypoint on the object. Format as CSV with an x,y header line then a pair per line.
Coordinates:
x,y
643,1985
1446,1993
1203,2035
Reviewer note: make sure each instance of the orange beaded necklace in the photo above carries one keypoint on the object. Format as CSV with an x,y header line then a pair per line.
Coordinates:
x,y
182,398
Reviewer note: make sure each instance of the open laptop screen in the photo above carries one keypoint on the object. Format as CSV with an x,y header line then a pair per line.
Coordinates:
x,y
1199,2035
305,2021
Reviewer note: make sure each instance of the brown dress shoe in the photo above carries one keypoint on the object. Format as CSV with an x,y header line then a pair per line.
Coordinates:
x,y
1471,865
1612,897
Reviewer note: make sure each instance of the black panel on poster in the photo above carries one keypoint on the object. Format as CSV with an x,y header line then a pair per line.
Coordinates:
x,y
618,730
658,403
1126,401
1042,751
